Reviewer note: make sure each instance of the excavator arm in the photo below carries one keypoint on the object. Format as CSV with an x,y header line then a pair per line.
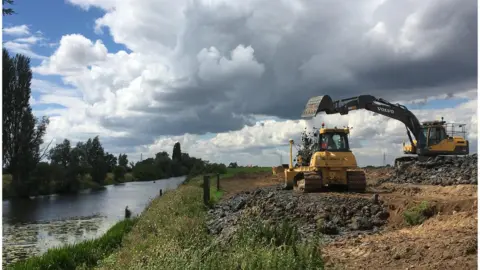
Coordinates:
x,y
371,103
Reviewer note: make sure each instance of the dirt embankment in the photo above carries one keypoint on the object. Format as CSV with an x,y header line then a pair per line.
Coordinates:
x,y
365,231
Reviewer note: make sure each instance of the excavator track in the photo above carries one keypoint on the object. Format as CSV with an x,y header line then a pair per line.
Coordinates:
x,y
311,182
356,181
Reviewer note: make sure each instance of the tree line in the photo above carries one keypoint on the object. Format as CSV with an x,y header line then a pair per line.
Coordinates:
x,y
31,170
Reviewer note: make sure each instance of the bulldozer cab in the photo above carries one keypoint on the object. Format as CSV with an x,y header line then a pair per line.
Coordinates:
x,y
333,140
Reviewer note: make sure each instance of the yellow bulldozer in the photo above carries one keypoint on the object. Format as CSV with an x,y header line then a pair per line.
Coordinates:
x,y
332,164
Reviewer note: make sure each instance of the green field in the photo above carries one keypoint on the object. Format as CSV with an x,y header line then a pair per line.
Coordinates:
x,y
233,171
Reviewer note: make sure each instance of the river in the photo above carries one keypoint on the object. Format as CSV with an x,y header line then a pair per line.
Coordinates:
x,y
30,227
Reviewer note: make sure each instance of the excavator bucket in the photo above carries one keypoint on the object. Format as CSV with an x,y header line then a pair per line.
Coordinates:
x,y
316,105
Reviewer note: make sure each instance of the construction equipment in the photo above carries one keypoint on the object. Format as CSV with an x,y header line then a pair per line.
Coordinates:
x,y
432,138
332,163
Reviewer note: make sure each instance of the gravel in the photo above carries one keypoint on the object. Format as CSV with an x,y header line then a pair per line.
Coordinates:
x,y
441,170
329,214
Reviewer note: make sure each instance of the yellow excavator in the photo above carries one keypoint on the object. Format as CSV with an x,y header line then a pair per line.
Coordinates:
x,y
431,138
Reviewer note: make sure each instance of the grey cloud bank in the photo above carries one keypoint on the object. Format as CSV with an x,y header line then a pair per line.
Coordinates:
x,y
210,66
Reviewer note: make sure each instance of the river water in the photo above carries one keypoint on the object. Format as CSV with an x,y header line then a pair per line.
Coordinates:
x,y
30,227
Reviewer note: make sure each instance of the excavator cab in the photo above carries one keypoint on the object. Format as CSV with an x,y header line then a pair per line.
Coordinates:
x,y
442,139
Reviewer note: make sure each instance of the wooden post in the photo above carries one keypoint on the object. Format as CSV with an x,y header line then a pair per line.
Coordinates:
x,y
206,189
218,181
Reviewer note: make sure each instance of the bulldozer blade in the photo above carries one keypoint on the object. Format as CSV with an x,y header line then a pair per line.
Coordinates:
x,y
318,104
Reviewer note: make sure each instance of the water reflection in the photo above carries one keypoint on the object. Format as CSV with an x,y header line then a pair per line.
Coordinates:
x,y
31,227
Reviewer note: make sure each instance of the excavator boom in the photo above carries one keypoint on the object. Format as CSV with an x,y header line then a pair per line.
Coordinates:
x,y
371,103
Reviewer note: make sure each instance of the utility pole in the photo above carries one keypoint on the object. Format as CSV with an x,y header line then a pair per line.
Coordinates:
x,y
281,158
384,159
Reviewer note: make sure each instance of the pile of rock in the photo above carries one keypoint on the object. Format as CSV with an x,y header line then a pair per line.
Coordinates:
x,y
325,213
441,170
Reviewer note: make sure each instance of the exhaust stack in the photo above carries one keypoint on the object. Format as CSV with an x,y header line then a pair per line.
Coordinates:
x,y
291,154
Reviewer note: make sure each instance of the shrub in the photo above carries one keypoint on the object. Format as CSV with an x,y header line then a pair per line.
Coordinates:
x,y
418,214
7,189
119,173
129,177
109,179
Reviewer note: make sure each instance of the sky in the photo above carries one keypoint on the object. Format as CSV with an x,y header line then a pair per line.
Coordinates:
x,y
229,79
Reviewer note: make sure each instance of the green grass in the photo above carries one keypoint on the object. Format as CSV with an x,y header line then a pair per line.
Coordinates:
x,y
233,171
82,255
419,213
171,234
215,195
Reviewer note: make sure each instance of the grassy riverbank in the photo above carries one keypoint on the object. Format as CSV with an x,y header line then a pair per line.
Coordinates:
x,y
83,255
171,234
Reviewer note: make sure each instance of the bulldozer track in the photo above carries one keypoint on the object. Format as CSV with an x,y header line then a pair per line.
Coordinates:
x,y
357,182
312,181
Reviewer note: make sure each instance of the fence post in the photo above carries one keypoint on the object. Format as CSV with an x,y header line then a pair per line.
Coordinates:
x,y
206,189
218,181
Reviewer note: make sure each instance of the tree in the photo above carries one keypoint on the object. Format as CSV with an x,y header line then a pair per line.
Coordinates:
x,y
306,150
96,159
7,11
177,153
60,154
111,161
123,160
119,173
22,132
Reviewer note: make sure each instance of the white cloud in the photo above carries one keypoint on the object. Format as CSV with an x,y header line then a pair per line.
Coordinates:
x,y
29,40
211,66
18,30
22,48
74,54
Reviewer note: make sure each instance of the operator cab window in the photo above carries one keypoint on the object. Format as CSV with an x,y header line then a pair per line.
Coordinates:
x,y
441,133
334,142
436,135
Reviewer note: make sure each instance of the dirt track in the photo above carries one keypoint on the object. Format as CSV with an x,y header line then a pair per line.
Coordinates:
x,y
447,240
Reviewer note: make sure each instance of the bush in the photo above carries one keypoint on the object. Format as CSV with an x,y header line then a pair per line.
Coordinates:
x,y
418,214
109,179
119,173
129,177
87,182
7,189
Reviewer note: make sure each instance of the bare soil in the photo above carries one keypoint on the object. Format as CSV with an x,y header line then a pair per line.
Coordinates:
x,y
448,240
